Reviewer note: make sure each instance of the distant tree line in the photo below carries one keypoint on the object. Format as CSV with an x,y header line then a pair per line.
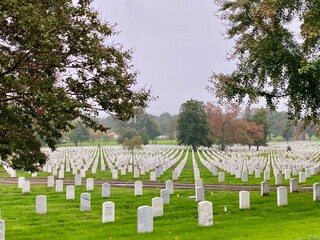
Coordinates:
x,y
225,125
202,125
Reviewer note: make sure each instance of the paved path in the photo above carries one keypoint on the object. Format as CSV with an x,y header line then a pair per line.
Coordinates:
x,y
114,183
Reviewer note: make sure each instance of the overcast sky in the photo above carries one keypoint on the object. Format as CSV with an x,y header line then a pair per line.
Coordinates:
x,y
176,43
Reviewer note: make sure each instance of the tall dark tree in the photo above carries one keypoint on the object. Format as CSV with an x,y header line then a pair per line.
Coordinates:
x,y
273,61
193,128
55,67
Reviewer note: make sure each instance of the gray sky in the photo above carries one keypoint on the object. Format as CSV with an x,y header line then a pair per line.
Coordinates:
x,y
177,44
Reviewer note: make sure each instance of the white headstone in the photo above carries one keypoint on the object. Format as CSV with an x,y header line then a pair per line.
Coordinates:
x,y
244,176
153,176
302,177
59,185
278,179
26,187
175,175
83,172
264,188
20,181
85,202
77,180
244,200
221,177
61,173
138,191
108,212
145,219
169,186
105,190
257,173
215,171
198,182
114,174
157,206
50,181
282,196
89,184
205,214
316,192
41,204
2,229
293,185
287,174
164,193
70,192
199,194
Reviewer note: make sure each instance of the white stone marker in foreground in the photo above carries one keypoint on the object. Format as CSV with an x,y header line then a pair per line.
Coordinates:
x,y
145,219
108,212
316,192
157,206
41,204
244,200
205,214
85,202
70,192
2,229
282,196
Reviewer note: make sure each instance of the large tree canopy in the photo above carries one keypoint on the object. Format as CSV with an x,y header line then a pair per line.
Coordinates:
x,y
193,126
55,67
273,60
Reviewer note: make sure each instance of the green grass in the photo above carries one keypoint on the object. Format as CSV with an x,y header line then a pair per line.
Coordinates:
x,y
64,220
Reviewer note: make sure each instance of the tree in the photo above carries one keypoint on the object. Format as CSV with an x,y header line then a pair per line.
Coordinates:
x,y
228,128
193,127
128,133
143,123
133,143
55,67
260,118
222,123
273,61
80,133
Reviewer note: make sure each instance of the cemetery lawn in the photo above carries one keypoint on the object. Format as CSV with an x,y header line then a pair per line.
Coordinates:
x,y
300,219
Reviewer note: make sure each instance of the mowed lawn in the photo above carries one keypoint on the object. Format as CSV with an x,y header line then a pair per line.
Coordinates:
x,y
300,219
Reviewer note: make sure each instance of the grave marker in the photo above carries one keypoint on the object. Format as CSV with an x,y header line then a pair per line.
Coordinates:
x,y
85,202
108,212
205,214
145,219
157,206
105,190
41,204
